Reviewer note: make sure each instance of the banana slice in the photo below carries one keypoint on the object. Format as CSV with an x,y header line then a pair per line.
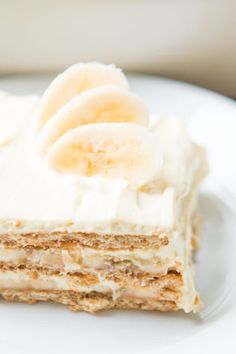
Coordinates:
x,y
76,79
112,150
102,104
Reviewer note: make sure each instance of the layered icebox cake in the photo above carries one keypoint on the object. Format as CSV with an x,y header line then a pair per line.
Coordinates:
x,y
98,200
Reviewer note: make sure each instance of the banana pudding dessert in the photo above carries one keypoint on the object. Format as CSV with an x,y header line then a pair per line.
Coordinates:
x,y
98,206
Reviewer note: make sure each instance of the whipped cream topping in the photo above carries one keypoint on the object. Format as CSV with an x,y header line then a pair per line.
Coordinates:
x,y
36,198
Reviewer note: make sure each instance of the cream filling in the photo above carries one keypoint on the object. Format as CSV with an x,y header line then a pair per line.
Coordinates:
x,y
22,280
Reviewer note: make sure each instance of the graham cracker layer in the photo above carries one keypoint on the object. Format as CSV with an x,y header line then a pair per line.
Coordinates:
x,y
68,239
91,302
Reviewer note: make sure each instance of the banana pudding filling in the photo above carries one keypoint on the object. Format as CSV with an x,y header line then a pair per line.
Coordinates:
x,y
98,206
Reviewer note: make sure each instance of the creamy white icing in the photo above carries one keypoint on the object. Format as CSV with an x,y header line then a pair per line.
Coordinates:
x,y
45,200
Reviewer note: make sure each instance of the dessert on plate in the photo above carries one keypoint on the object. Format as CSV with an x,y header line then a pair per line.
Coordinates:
x,y
98,200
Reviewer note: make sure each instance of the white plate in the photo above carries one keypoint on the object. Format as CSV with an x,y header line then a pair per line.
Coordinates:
x,y
49,329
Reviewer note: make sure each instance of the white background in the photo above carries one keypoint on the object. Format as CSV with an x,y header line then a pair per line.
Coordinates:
x,y
191,40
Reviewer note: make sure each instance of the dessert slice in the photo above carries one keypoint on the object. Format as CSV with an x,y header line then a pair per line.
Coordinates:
x,y
97,208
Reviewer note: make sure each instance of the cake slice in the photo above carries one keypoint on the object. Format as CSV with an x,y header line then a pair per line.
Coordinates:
x,y
97,205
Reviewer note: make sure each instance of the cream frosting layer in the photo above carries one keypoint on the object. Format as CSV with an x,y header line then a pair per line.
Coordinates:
x,y
34,198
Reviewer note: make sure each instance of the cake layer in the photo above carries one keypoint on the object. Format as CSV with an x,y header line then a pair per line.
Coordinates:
x,y
95,242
